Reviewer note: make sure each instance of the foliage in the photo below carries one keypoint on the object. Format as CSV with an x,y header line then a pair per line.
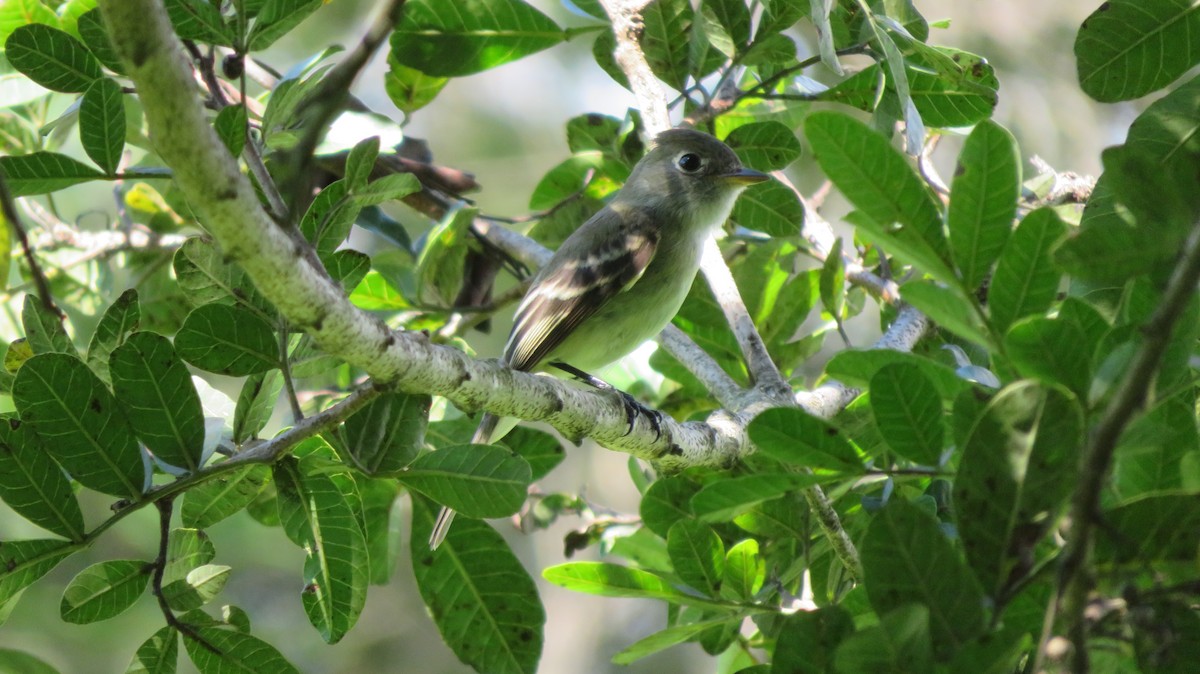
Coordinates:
x,y
952,472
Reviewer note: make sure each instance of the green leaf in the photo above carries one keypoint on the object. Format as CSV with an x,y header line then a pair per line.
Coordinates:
x,y
723,500
1026,280
1152,457
14,13
908,412
156,392
907,558
796,437
388,188
386,434
857,368
1059,350
201,585
44,329
1016,472
881,184
102,124
33,485
766,146
277,18
205,277
899,644
329,218
157,655
949,308
983,200
317,517
540,449
94,35
206,504
613,580
462,38
745,571
480,596
104,590
198,20
476,480
666,40
44,172
382,534
1150,529
410,89
20,662
808,641
663,639
586,174
594,133
51,58
256,404
771,208
23,562
79,423
230,126
227,340
698,555
832,282
1129,48
235,653
119,319
440,265
667,501
360,162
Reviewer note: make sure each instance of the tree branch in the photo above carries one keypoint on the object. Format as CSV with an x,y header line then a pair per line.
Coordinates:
x,y
9,210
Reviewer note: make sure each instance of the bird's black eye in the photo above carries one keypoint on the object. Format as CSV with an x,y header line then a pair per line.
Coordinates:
x,y
690,163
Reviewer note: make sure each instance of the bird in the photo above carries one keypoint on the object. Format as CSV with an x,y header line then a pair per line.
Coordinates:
x,y
621,277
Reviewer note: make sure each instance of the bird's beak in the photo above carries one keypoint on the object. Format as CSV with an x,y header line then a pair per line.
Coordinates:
x,y
745,176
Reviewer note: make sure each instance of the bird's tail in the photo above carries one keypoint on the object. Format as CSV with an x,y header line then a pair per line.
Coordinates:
x,y
483,436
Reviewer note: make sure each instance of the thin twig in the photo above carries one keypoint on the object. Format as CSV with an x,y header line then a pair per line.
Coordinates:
x,y
8,208
285,367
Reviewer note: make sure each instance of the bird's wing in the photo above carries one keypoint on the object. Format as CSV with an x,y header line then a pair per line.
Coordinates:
x,y
582,277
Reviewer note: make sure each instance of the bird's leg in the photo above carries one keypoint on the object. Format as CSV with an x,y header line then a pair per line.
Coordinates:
x,y
632,407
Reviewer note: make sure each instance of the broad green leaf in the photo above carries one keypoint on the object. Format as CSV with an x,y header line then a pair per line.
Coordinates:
x,y
1151,529
1026,279
908,411
1151,459
857,368
199,587
766,146
33,485
157,655
832,282
440,265
808,641
102,123
375,293
983,200
44,172
51,58
20,662
664,639
667,501
745,570
540,449
347,267
186,550
949,308
94,35
585,174
227,340
594,133
119,319
698,555
1015,474
907,558
277,18
666,40
255,404
462,38
79,423
104,590
899,644
15,13
1059,350
779,15
386,435
230,126
408,88
206,277
360,162
155,390
476,480
214,500
881,184
381,532
614,580
198,20
329,218
228,652
483,601
44,329
725,499
771,208
317,517
1129,48
388,188
23,562
796,437
783,517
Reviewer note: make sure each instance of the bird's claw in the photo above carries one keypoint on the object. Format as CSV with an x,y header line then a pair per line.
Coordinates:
x,y
633,408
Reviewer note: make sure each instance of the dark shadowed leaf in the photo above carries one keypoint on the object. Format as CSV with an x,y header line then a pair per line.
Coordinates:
x,y
227,340
33,485
104,590
476,480
1129,48
156,391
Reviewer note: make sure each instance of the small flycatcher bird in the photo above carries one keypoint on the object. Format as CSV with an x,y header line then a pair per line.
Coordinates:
x,y
621,277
